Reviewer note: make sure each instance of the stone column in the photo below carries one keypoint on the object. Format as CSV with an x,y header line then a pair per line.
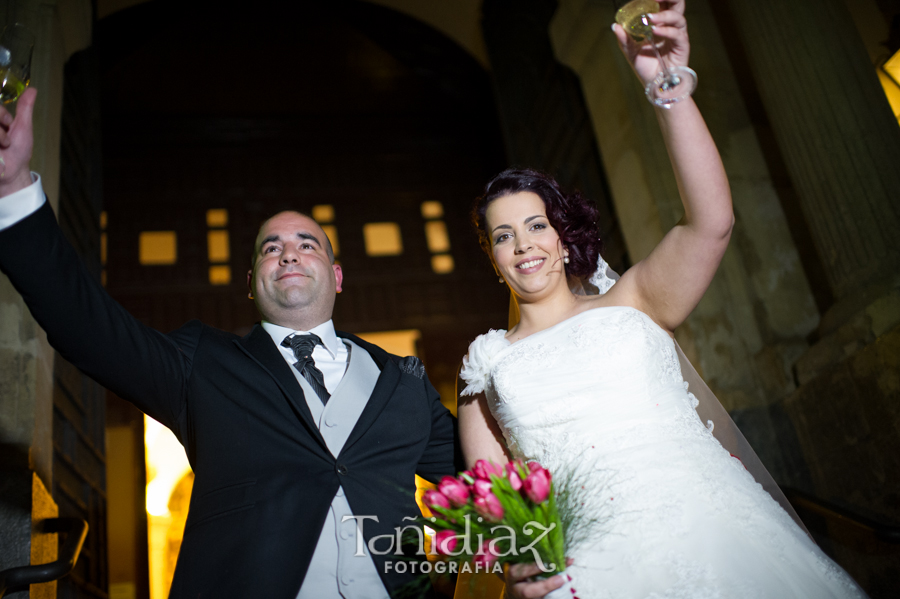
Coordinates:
x,y
842,150
752,323
840,140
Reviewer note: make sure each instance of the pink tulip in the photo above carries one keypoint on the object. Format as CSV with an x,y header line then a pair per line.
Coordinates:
x,y
481,488
445,542
434,498
454,490
514,479
483,470
489,507
535,466
537,485
485,557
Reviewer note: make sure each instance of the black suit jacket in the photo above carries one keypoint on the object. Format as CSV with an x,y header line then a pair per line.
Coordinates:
x,y
264,478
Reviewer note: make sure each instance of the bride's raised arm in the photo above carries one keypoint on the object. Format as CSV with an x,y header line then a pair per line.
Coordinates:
x,y
668,284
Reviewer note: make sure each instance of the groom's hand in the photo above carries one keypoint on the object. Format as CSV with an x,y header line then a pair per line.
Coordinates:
x,y
16,143
519,583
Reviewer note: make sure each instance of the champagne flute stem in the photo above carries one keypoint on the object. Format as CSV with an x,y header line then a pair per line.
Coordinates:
x,y
662,63
669,80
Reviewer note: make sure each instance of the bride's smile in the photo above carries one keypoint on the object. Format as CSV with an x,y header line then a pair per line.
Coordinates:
x,y
529,266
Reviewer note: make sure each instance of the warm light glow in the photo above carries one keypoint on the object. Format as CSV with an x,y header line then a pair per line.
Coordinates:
x,y
892,91
382,239
432,209
423,485
889,75
158,498
442,263
447,389
167,466
220,274
217,246
157,247
436,234
102,248
399,343
892,67
331,232
323,213
103,220
122,590
217,217
121,521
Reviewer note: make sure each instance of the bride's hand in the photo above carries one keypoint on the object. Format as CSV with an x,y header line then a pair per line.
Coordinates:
x,y
670,31
521,585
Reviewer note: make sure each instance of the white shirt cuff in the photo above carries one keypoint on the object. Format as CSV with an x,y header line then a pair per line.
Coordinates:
x,y
16,206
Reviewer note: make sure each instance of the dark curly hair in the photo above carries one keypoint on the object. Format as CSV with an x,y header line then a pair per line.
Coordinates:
x,y
572,215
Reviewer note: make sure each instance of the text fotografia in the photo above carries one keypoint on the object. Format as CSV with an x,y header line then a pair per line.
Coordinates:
x,y
462,546
442,567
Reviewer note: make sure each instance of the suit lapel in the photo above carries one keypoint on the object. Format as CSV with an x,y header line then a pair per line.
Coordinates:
x,y
381,394
259,347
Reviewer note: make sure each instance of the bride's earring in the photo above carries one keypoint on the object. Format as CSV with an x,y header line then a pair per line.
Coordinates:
x,y
501,280
566,259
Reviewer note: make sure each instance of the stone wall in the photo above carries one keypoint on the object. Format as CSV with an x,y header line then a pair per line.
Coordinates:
x,y
26,359
846,413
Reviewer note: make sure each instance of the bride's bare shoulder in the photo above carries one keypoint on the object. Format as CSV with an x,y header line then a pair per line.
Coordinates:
x,y
625,293
621,294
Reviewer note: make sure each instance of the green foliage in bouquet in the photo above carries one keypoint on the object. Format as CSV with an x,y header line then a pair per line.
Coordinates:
x,y
494,515
500,515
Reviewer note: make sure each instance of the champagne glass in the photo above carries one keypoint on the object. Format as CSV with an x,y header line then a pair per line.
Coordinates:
x,y
16,45
671,85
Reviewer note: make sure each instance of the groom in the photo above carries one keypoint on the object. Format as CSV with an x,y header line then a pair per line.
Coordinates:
x,y
295,432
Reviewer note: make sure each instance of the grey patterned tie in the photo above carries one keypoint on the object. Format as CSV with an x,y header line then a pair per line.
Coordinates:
x,y
303,346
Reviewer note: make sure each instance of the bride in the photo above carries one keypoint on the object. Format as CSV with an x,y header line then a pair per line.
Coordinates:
x,y
590,386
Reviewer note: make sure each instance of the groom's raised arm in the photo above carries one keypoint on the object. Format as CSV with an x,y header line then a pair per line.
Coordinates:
x,y
82,322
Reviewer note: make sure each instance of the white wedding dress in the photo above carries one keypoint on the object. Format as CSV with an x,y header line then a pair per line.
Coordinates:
x,y
601,397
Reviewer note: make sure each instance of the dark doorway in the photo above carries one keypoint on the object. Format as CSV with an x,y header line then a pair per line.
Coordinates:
x,y
342,104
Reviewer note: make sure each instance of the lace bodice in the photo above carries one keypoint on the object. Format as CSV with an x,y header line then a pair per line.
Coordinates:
x,y
591,378
600,398
621,336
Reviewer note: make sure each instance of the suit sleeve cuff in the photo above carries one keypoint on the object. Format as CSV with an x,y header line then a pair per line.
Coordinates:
x,y
16,206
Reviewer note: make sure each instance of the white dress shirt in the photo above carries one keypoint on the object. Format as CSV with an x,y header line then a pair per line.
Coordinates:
x,y
22,203
330,356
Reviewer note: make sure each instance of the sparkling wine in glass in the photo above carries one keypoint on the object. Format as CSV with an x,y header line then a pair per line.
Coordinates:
x,y
671,85
16,46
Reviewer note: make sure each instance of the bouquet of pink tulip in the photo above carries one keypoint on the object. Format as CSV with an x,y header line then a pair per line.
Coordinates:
x,y
509,511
